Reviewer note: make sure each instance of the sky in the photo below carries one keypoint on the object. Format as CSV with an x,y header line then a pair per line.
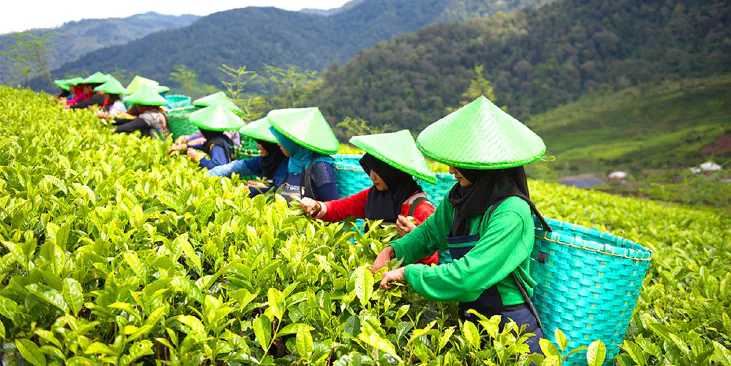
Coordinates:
x,y
18,16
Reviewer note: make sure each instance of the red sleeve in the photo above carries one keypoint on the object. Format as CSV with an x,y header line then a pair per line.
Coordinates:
x,y
423,211
343,208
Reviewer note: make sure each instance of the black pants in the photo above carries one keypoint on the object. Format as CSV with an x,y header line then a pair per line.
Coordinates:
x,y
130,126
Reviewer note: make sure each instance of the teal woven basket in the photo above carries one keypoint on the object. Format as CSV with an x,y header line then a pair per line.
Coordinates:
x,y
178,101
588,284
351,179
179,123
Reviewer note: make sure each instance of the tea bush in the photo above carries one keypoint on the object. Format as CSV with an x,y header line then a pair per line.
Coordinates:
x,y
115,253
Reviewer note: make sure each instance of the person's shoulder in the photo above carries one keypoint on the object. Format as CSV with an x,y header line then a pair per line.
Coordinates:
x,y
515,205
323,172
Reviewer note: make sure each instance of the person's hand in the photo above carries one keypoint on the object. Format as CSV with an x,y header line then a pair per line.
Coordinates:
x,y
397,275
310,206
405,225
177,147
383,258
198,141
181,140
195,155
255,184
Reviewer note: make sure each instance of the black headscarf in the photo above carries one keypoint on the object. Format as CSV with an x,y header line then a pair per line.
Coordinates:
x,y
214,137
386,205
475,199
271,162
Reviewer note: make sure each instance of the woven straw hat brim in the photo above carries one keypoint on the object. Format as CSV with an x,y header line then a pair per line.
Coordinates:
x,y
259,130
97,78
138,83
146,96
110,87
398,150
216,118
74,81
480,136
316,135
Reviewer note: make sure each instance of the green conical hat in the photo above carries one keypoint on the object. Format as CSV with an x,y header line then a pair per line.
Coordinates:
x,y
397,149
97,78
259,130
212,99
75,81
480,136
63,84
306,127
161,89
113,86
137,83
146,96
216,118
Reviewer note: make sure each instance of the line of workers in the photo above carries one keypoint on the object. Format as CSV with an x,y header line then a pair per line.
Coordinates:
x,y
472,248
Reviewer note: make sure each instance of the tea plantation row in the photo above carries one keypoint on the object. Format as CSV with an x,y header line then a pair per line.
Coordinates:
x,y
113,252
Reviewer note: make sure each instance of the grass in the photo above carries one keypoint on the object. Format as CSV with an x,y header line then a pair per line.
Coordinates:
x,y
649,126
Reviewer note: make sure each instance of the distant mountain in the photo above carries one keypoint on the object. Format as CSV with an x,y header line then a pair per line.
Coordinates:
x,y
329,12
73,40
254,36
536,59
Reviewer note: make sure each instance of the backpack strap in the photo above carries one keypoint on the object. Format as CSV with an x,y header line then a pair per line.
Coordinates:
x,y
306,182
416,203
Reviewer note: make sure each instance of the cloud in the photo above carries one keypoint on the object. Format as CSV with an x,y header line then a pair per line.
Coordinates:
x,y
23,15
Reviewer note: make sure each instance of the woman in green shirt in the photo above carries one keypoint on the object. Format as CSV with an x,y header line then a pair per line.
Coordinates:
x,y
485,222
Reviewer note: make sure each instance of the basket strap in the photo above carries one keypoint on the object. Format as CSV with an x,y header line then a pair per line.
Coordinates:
x,y
416,202
546,227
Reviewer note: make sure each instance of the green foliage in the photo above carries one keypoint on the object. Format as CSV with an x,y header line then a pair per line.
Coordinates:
x,y
536,59
186,79
174,266
653,125
236,85
29,55
350,127
277,37
288,88
73,40
479,86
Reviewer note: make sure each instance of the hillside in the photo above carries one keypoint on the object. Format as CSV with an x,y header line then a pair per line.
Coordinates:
x,y
536,59
663,125
254,36
329,12
72,40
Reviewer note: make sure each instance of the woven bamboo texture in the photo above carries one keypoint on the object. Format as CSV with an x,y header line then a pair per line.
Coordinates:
x,y
588,286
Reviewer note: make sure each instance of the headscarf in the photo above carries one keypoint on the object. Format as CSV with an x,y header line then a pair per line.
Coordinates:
x,y
299,156
488,187
271,162
387,205
214,136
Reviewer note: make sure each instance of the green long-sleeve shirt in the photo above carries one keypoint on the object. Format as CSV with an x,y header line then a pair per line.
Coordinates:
x,y
504,246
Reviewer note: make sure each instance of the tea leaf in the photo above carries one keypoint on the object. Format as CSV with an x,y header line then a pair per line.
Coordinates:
x,y
596,353
48,295
30,352
73,294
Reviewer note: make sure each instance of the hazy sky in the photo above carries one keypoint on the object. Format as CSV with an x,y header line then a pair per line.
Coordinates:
x,y
20,15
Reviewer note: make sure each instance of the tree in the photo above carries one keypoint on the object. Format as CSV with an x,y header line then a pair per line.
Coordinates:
x,y
29,54
186,79
240,78
359,127
290,87
478,86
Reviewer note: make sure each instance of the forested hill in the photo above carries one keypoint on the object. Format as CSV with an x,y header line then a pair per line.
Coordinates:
x,y
253,36
536,59
73,40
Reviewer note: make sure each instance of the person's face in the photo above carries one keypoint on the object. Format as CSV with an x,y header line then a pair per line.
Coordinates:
x,y
262,151
87,89
284,151
460,179
380,185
